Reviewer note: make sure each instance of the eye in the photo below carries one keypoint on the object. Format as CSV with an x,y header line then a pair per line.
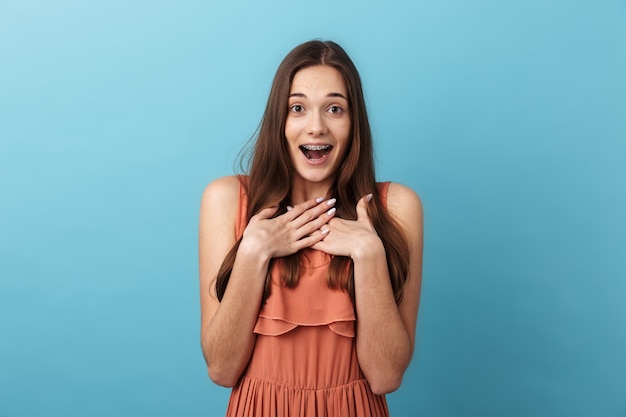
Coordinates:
x,y
335,110
296,108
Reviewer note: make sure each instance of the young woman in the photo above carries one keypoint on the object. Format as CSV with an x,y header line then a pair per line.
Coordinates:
x,y
310,271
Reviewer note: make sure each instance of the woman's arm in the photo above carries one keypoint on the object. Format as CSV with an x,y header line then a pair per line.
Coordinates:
x,y
385,331
227,336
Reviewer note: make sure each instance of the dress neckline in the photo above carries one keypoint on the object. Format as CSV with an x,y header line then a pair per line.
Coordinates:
x,y
312,258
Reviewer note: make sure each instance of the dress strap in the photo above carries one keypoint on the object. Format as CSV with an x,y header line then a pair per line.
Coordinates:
x,y
242,207
382,192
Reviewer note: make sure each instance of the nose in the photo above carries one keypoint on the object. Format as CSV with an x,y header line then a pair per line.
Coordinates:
x,y
317,124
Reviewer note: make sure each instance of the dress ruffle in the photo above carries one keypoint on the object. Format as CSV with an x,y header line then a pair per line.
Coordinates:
x,y
312,304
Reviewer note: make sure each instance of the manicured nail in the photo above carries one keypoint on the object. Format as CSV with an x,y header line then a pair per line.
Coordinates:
x,y
325,231
319,199
331,211
289,208
368,198
331,201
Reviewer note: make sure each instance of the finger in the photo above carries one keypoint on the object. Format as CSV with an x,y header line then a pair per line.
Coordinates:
x,y
313,213
311,240
295,211
315,225
321,244
361,207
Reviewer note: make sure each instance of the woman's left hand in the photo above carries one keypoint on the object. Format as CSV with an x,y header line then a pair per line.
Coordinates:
x,y
350,238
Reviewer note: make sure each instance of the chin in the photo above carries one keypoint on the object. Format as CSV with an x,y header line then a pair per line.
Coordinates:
x,y
315,177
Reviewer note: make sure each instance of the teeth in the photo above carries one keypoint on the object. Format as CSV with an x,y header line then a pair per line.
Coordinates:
x,y
315,147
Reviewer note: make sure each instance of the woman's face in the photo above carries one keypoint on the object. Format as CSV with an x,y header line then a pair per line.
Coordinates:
x,y
318,124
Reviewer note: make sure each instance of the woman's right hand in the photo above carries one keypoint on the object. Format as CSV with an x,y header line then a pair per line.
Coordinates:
x,y
290,232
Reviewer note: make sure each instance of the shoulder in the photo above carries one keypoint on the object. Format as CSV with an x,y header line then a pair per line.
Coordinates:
x,y
221,197
406,207
222,188
401,198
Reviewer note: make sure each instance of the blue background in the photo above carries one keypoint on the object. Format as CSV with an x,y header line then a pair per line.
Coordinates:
x,y
508,118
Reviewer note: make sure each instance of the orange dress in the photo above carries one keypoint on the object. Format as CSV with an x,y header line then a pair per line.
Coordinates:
x,y
304,361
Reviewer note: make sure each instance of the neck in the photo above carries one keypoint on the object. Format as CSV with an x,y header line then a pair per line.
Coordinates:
x,y
302,191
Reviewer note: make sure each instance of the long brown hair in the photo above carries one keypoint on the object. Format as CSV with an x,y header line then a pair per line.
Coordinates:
x,y
270,172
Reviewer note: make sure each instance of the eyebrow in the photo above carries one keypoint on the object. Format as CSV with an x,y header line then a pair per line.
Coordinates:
x,y
329,95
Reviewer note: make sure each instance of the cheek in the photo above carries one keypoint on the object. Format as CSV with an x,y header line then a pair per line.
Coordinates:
x,y
291,131
345,135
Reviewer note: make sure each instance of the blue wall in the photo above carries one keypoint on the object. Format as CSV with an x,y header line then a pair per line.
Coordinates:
x,y
508,118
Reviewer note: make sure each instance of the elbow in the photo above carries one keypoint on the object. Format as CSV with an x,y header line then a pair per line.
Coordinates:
x,y
220,371
384,378
385,385
223,377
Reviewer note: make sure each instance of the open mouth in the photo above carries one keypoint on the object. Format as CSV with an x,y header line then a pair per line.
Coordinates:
x,y
314,152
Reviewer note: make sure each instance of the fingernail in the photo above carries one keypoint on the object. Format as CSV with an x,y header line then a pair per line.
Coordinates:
x,y
319,199
368,198
325,231
331,211
331,201
289,208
